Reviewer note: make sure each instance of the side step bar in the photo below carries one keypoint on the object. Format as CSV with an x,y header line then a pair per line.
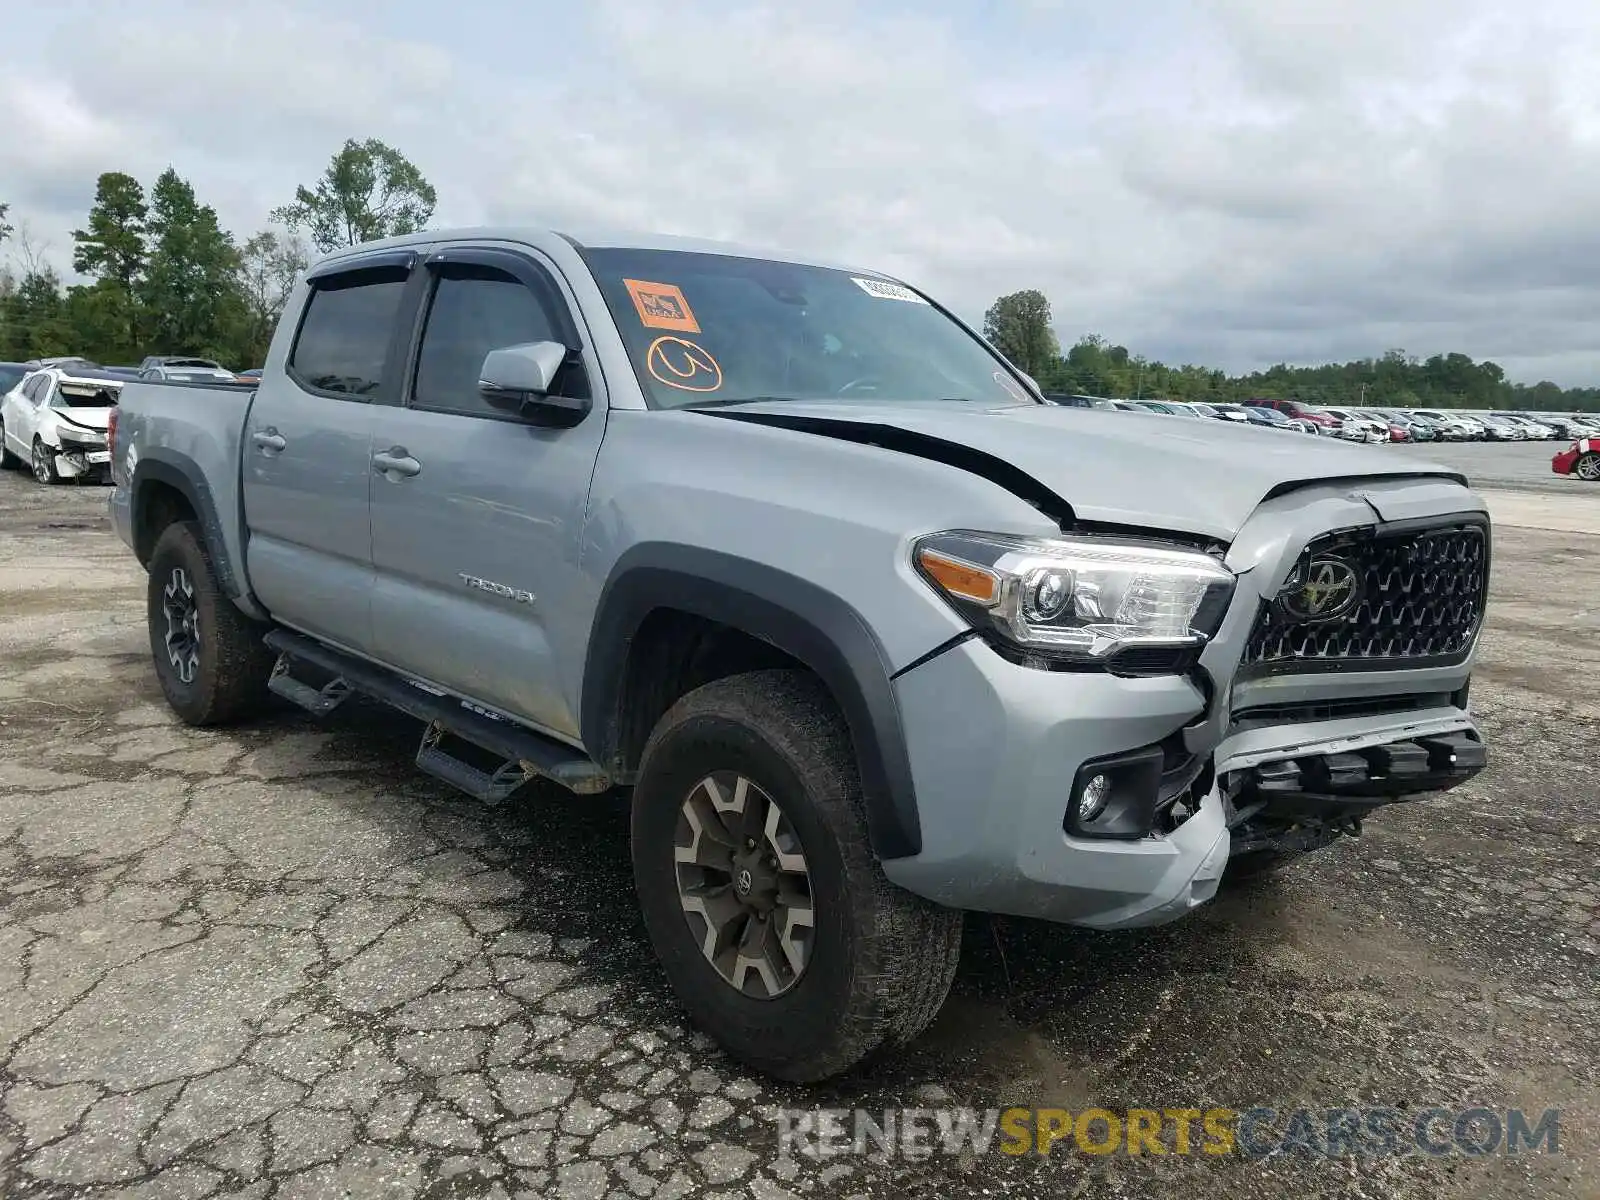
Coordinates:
x,y
523,754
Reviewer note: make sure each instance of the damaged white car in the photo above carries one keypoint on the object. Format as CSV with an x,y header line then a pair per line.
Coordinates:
x,y
54,421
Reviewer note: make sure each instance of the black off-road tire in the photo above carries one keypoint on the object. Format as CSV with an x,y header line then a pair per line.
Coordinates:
x,y
882,959
230,682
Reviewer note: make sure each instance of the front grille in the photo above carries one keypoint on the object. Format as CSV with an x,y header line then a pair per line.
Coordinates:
x,y
1420,597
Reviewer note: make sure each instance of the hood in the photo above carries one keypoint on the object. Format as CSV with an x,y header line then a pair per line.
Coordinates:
x,y
1130,469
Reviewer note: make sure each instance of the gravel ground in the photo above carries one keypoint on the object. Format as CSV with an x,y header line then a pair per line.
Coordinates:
x,y
277,961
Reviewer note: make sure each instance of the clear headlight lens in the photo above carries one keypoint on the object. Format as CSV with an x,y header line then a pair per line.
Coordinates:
x,y
1080,599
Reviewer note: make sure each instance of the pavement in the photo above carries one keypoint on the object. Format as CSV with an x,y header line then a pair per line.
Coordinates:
x,y
276,961
1524,466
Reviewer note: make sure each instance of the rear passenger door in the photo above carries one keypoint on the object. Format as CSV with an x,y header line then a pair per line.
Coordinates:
x,y
307,450
474,538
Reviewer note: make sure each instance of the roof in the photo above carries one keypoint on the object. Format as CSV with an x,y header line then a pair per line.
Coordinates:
x,y
597,239
87,376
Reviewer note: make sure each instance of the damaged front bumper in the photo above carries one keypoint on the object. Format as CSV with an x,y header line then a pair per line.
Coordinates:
x,y
1222,761
1297,788
85,456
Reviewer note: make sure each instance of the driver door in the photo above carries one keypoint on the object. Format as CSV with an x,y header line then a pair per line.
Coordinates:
x,y
476,513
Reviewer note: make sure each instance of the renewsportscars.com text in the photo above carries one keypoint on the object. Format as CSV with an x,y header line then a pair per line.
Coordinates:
x,y
1251,1132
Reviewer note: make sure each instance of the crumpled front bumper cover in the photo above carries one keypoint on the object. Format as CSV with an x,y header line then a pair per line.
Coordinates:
x,y
1353,781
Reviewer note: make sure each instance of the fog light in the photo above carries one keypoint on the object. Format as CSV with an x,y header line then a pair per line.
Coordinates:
x,y
1093,800
1115,796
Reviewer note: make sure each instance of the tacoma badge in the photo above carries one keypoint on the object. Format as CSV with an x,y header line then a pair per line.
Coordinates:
x,y
496,589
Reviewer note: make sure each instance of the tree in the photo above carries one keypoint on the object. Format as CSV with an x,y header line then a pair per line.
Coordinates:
x,y
190,289
5,230
34,324
112,247
268,268
370,190
112,251
1018,326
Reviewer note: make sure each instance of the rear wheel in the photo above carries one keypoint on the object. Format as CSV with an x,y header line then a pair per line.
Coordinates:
x,y
209,657
1588,466
763,900
44,463
8,460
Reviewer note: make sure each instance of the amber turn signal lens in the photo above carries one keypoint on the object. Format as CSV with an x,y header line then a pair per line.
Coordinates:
x,y
961,580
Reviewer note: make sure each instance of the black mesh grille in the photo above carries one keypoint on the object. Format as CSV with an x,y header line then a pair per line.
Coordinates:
x,y
1421,601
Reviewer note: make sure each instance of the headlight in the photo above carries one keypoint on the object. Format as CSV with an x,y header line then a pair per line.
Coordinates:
x,y
77,439
1080,600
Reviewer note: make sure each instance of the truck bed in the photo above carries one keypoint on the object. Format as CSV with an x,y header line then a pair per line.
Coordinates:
x,y
188,423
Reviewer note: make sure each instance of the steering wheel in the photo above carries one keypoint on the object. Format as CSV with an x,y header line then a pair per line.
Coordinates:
x,y
865,381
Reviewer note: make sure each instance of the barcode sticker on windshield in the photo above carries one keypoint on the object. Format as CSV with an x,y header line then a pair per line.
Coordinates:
x,y
884,290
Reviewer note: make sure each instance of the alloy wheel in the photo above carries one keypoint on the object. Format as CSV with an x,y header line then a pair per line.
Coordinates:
x,y
1589,467
744,885
41,463
183,625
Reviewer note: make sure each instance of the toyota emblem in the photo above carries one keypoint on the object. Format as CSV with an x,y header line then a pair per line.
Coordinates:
x,y
1327,589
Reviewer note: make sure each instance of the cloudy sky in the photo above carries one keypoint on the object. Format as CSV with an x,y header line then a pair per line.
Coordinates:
x,y
1233,182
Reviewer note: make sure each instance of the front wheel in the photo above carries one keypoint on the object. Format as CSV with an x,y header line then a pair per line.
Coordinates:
x,y
1588,466
44,463
764,902
210,659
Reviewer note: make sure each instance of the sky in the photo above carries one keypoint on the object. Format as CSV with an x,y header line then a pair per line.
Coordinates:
x,y
1227,182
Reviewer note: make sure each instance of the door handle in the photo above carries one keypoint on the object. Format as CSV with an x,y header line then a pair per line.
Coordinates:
x,y
396,460
269,439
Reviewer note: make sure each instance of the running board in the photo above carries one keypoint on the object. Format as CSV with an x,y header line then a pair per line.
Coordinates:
x,y
523,754
317,701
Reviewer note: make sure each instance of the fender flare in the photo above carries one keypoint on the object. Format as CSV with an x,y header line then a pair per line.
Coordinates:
x,y
808,623
183,476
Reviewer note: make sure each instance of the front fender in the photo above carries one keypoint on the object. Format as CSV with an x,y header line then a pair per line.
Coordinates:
x,y
806,622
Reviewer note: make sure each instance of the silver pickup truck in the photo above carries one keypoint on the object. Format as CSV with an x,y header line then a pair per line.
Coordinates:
x,y
873,633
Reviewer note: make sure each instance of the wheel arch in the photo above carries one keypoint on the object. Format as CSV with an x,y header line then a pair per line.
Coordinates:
x,y
792,617
164,490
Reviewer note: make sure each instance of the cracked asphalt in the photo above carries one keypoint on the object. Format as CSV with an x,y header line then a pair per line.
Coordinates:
x,y
276,961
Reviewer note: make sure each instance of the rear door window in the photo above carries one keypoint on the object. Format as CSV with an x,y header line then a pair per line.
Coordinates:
x,y
343,344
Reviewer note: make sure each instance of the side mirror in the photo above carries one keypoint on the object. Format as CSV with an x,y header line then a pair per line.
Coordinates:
x,y
520,378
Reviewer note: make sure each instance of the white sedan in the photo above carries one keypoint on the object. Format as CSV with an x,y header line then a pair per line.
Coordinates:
x,y
54,421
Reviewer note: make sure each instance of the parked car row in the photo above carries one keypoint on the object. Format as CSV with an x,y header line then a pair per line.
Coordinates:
x,y
54,411
1363,424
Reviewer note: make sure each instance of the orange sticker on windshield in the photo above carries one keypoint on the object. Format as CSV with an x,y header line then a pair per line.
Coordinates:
x,y
661,306
683,364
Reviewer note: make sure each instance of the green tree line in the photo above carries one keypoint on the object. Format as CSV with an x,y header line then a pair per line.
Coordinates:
x,y
161,275
1020,326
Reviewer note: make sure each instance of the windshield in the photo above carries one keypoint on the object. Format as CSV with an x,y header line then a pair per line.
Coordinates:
x,y
712,328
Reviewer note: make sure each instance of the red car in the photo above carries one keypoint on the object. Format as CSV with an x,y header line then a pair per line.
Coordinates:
x,y
1582,459
1295,410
